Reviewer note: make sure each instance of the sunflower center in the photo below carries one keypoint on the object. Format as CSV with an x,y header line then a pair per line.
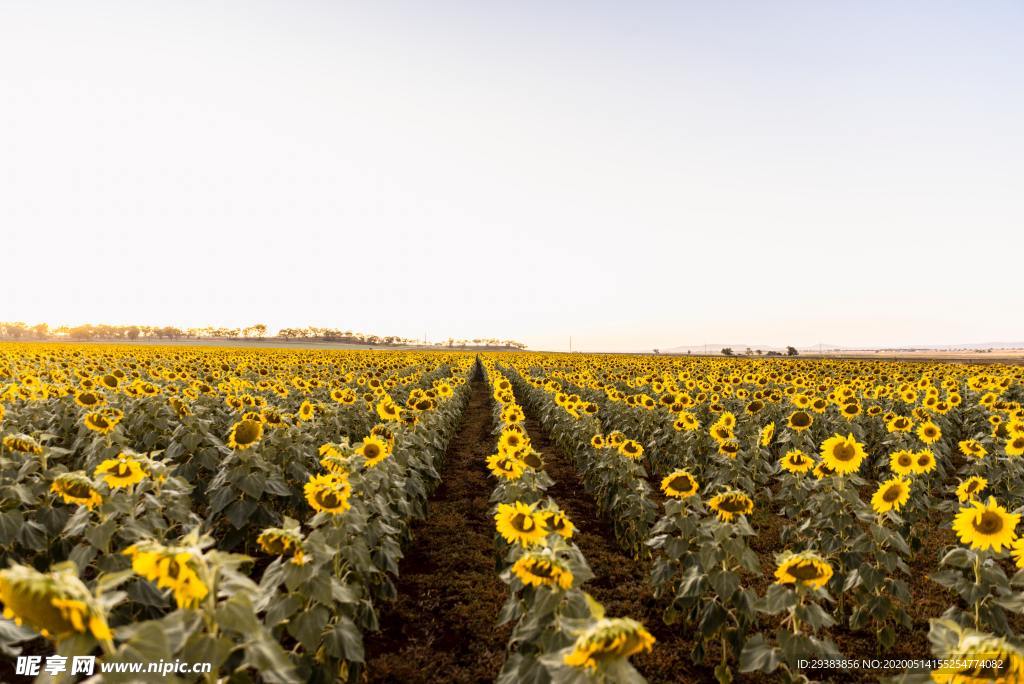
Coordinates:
x,y
988,522
804,571
844,452
801,419
892,493
522,522
328,499
680,483
733,504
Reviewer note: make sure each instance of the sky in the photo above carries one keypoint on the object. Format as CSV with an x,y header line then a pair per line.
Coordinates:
x,y
633,175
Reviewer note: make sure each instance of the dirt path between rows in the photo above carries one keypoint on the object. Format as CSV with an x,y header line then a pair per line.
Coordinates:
x,y
441,627
621,582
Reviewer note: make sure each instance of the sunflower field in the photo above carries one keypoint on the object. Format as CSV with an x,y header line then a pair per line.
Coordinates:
x,y
649,518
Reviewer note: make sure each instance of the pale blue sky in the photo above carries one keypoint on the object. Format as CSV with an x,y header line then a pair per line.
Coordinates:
x,y
633,174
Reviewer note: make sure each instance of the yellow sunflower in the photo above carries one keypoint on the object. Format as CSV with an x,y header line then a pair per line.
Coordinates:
x,y
928,432
631,449
891,495
104,421
374,450
328,493
806,568
608,639
970,488
797,462
766,434
542,568
558,522
924,462
245,433
728,505
174,568
23,444
123,471
278,541
843,454
972,448
306,411
679,484
799,421
56,604
76,488
1015,446
986,525
519,523
505,467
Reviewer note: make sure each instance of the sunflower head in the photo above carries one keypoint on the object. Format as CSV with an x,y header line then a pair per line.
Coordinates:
x,y
374,449
797,462
842,454
631,449
56,604
971,488
806,569
608,639
520,523
76,488
558,522
123,471
505,467
542,568
328,493
245,433
22,444
679,484
731,504
890,495
181,569
278,541
799,421
986,525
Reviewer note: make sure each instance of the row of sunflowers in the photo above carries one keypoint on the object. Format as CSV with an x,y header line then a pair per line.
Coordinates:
x,y
847,471
237,507
560,632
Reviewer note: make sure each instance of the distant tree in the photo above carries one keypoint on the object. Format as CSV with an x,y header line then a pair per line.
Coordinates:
x,y
133,332
749,351
758,352
791,351
260,329
727,351
656,351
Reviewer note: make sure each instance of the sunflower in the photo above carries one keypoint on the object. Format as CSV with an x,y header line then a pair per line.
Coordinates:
x,y
631,449
729,448
985,526
890,495
512,440
970,488
387,409
76,488
615,438
980,658
685,422
519,523
374,449
924,462
542,568
821,471
899,424
558,522
23,444
806,568
766,434
328,493
796,462
56,604
799,421
608,639
928,432
103,421
731,504
597,441
902,462
1015,446
306,411
679,484
506,467
245,433
89,399
842,454
123,471
512,414
278,541
972,448
174,568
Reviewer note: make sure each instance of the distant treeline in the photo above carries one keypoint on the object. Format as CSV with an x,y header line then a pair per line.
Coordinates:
x,y
257,331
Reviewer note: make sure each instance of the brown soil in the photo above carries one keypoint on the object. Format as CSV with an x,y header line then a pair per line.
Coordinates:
x,y
620,582
441,627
